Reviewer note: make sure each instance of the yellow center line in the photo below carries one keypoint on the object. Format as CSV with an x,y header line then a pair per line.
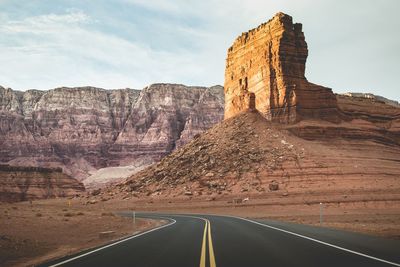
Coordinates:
x,y
207,234
203,248
210,246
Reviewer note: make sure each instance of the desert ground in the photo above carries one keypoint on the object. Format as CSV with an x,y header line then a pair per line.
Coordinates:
x,y
30,231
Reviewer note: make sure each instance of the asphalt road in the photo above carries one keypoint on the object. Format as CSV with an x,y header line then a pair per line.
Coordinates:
x,y
223,241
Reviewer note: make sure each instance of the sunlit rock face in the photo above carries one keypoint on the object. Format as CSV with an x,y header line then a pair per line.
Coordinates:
x,y
269,61
86,128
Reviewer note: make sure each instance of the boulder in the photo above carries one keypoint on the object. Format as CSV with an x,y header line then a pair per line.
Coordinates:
x,y
273,185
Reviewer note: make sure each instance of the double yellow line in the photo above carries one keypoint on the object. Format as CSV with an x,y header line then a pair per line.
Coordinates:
x,y
207,228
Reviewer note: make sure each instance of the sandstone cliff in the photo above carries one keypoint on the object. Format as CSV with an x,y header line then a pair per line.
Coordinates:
x,y
248,156
266,66
25,183
300,141
269,61
165,117
86,128
365,120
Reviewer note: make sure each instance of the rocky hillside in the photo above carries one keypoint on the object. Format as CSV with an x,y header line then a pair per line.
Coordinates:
x,y
232,157
249,156
84,129
27,183
345,146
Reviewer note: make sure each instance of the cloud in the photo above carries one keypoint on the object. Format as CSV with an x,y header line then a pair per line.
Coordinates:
x,y
62,50
136,42
44,23
159,5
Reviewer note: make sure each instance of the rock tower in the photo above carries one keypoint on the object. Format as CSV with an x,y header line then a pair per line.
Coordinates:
x,y
269,61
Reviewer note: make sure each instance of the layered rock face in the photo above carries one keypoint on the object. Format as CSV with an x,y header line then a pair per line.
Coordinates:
x,y
327,148
269,61
25,183
165,117
64,127
364,120
247,156
84,129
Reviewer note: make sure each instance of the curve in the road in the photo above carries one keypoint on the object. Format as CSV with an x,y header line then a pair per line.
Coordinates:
x,y
213,240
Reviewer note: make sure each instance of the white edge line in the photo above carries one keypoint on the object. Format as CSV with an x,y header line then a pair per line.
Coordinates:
x,y
319,241
116,243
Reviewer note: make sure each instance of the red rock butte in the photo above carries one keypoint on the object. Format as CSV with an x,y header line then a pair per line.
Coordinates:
x,y
269,61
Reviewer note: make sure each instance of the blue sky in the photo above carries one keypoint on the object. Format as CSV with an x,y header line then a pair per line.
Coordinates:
x,y
353,45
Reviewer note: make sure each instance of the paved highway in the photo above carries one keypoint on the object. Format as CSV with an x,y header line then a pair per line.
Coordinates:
x,y
223,241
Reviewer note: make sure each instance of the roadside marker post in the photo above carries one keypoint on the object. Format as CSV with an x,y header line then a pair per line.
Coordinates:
x,y
134,218
321,213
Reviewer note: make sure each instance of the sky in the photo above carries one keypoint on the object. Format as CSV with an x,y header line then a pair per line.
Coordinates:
x,y
354,45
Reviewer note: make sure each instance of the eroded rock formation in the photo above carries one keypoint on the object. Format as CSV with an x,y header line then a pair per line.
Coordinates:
x,y
247,156
164,117
327,146
269,61
25,183
84,129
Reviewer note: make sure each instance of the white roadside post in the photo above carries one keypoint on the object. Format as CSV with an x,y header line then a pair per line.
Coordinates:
x,y
321,211
134,218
